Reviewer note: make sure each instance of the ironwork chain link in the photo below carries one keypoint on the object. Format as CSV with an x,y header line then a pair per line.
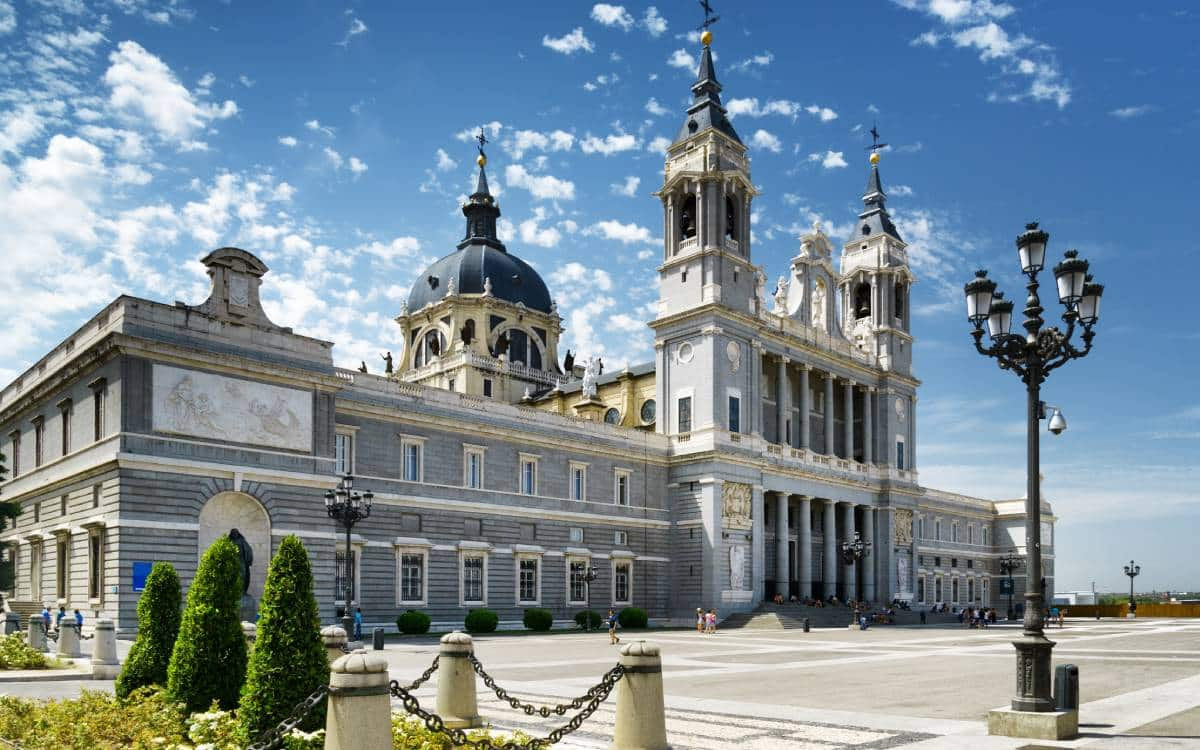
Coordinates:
x,y
273,738
424,675
599,693
530,709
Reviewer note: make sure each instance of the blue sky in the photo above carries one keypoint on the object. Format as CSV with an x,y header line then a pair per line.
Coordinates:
x,y
331,140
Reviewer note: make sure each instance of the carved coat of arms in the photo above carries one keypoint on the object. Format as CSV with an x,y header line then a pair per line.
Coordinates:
x,y
735,505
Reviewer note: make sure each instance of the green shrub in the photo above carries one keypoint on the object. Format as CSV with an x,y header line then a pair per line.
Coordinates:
x,y
158,625
146,719
15,653
209,659
538,619
289,660
588,619
413,622
410,733
633,617
481,621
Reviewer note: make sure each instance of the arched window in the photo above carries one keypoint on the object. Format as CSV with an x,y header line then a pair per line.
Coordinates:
x,y
428,347
862,300
730,218
687,218
523,348
899,300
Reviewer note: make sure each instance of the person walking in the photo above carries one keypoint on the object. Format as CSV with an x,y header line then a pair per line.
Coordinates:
x,y
358,623
700,621
45,618
712,621
79,620
59,615
612,628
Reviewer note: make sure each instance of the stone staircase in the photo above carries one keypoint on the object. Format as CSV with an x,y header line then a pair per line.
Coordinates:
x,y
770,616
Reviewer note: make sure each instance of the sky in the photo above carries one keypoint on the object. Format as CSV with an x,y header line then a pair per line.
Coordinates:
x,y
333,140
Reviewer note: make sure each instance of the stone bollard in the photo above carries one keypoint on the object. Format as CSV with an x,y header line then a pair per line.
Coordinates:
x,y
641,722
249,632
68,640
456,702
37,633
12,623
335,639
360,705
104,651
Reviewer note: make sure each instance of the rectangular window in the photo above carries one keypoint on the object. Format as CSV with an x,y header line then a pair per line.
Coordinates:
x,y
39,434
37,512
937,561
528,478
527,581
472,579
473,467
95,564
937,589
578,481
685,414
487,387
99,392
621,575
62,567
343,453
62,505
954,530
577,586
67,409
899,454
937,529
735,414
921,589
621,488
35,570
954,589
450,385
15,437
411,451
412,577
343,578
985,537
970,563
620,538
575,534
95,496
954,562
970,589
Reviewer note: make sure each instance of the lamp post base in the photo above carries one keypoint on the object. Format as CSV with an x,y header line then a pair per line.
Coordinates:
x,y
1034,674
1039,725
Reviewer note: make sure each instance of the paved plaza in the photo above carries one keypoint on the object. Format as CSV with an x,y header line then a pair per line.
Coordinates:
x,y
920,687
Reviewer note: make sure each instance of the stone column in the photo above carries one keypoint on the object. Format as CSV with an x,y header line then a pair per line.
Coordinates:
x,y
828,413
805,408
752,422
848,391
804,543
758,548
641,718
68,640
868,426
849,569
830,556
12,623
912,434
783,402
104,651
334,638
360,707
456,702
37,633
868,532
782,568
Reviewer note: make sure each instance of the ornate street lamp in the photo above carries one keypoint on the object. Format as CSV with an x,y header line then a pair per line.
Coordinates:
x,y
852,552
1132,571
1008,564
1033,356
348,506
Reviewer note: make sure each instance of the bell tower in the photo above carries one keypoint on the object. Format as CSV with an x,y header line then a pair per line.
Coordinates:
x,y
873,290
706,197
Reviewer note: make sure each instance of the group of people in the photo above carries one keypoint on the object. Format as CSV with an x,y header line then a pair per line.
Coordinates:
x,y
977,617
706,622
59,616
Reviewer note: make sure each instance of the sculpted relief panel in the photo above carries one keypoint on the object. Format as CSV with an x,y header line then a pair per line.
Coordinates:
x,y
211,406
735,505
904,531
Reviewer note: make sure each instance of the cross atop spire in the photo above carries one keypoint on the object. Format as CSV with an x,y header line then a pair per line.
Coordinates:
x,y
481,208
875,144
709,18
482,140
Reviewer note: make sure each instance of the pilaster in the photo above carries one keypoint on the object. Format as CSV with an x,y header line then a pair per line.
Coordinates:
x,y
872,561
829,444
830,560
804,545
758,550
805,407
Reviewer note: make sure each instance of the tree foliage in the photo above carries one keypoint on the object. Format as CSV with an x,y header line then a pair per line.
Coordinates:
x,y
289,660
158,625
413,622
209,659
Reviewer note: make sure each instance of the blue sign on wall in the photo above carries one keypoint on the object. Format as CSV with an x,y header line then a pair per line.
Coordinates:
x,y
141,570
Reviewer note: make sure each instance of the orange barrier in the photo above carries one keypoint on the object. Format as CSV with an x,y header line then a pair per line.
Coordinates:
x,y
1121,610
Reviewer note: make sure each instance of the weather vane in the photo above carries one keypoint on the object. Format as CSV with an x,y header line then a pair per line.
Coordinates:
x,y
709,18
482,140
875,144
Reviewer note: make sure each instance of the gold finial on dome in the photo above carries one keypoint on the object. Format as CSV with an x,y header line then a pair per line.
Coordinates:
x,y
709,20
874,158
875,144
481,160
706,38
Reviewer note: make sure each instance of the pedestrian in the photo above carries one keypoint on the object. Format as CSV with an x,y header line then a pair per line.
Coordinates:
x,y
612,628
712,621
358,623
1055,616
59,615
700,620
46,618
79,619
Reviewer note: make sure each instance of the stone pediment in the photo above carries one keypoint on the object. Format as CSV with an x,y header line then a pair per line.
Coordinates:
x,y
236,277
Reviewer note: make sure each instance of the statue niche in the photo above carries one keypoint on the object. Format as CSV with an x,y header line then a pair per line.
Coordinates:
x,y
687,218
862,300
730,218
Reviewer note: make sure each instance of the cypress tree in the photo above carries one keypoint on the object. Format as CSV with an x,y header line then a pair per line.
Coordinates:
x,y
158,625
289,660
209,659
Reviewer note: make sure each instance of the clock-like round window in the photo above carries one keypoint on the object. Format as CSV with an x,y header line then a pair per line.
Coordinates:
x,y
649,408
612,416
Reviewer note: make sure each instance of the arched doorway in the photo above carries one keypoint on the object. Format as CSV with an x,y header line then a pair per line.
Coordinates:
x,y
237,510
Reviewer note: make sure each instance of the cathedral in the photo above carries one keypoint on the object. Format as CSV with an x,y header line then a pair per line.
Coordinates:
x,y
774,429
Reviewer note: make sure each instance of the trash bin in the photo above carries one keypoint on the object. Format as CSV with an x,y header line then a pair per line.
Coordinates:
x,y
805,624
1066,687
377,639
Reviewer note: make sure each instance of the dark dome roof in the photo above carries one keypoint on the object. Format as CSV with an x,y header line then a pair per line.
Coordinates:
x,y
513,280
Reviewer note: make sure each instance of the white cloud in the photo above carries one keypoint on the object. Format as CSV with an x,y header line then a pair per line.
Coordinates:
x,y
19,126
751,107
824,113
763,139
505,230
1126,113
357,166
681,58
656,109
246,80
659,145
569,44
444,162
317,127
760,60
468,134
624,233
143,87
287,140
8,18
283,192
900,190
612,15
334,157
131,174
545,187
829,159
400,248
609,144
533,233
655,24
356,27
628,188
526,140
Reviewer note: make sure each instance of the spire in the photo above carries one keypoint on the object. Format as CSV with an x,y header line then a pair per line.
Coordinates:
x,y
706,110
875,219
481,208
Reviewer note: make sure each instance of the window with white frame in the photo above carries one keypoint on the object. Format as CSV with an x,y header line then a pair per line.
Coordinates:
x,y
954,589
35,570
473,466
39,438
621,486
620,538
528,479
734,412
684,413
411,564
15,452
970,589
412,452
95,564
529,579
578,478
986,586
985,535
937,589
343,452
575,534
954,531
937,529
99,394
577,585
622,581
921,589
353,570
473,577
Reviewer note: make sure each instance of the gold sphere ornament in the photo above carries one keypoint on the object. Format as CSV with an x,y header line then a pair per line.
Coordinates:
x,y
481,160
706,38
874,158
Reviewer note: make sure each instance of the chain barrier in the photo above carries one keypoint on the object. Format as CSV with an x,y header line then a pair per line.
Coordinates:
x,y
10,743
434,723
273,738
424,675
545,711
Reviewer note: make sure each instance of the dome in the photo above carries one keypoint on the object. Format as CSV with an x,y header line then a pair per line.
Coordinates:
x,y
513,280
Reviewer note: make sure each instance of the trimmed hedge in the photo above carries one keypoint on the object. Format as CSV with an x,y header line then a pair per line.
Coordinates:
x,y
589,619
209,659
481,621
289,660
158,612
538,619
413,622
633,617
